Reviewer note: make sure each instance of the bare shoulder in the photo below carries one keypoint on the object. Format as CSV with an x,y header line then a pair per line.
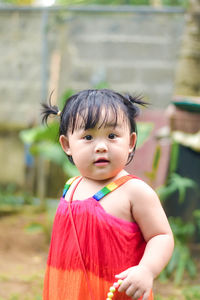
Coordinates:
x,y
147,210
139,190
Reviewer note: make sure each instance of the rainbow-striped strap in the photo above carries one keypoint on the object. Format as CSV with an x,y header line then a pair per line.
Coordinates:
x,y
105,190
111,187
67,185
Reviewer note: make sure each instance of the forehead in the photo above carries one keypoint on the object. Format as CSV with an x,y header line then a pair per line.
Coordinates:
x,y
106,117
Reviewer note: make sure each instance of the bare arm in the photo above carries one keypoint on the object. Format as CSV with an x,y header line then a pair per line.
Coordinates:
x,y
149,215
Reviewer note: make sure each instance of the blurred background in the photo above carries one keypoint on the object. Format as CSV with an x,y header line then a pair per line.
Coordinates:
x,y
55,48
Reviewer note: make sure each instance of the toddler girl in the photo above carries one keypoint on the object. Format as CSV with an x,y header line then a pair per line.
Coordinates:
x,y
109,225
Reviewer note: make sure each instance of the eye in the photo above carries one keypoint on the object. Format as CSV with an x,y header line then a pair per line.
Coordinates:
x,y
112,136
88,137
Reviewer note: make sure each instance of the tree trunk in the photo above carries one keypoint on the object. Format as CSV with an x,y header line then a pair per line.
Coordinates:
x,y
188,71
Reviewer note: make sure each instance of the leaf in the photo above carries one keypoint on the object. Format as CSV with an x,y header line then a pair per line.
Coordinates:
x,y
54,153
40,133
174,157
173,261
157,158
181,264
181,260
182,231
196,215
144,131
191,267
164,192
34,228
192,292
176,183
49,151
182,183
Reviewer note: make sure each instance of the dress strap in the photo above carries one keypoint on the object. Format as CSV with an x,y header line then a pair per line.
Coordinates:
x,y
112,186
105,190
68,183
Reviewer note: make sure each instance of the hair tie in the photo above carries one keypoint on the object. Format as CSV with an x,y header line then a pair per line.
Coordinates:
x,y
59,113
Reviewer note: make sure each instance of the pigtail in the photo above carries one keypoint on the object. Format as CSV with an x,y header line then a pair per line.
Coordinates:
x,y
133,102
136,99
49,109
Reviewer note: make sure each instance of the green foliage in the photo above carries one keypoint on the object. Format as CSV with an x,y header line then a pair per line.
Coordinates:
x,y
182,231
176,183
156,159
44,142
144,131
34,227
158,297
18,2
45,226
104,2
181,260
8,196
192,292
173,157
40,133
183,3
189,293
196,215
50,150
11,200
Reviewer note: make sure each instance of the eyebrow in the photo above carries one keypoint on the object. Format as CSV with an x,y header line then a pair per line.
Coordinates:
x,y
108,125
114,124
104,124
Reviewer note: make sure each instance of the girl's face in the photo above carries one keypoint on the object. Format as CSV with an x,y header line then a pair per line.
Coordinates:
x,y
101,152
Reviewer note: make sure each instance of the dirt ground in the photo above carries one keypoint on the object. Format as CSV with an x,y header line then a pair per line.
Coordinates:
x,y
23,257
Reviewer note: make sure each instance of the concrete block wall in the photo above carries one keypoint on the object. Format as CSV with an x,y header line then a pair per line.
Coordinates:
x,y
20,66
133,50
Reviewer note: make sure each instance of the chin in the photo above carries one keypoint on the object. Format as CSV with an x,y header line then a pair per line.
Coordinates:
x,y
104,176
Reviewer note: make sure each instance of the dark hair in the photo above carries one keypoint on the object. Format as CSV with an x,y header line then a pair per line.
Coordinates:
x,y
89,104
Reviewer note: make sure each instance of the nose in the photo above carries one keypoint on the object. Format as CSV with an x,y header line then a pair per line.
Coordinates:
x,y
101,147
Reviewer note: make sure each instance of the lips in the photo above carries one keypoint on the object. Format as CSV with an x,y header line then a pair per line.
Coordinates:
x,y
101,161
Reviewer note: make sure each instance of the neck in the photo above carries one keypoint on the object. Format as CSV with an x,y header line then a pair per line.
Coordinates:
x,y
103,182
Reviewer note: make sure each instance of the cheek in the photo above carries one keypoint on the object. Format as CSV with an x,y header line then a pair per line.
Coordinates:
x,y
80,156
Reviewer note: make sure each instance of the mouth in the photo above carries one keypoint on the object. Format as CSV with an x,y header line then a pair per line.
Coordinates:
x,y
101,161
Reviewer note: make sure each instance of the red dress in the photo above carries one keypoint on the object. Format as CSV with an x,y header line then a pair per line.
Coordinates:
x,y
89,247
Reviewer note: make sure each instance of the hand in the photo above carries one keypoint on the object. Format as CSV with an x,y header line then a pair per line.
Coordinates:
x,y
137,282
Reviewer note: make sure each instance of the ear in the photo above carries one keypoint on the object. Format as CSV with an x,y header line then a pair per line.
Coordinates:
x,y
133,139
64,141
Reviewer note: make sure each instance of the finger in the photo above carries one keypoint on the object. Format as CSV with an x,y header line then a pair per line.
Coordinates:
x,y
124,286
123,274
146,295
131,290
138,294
